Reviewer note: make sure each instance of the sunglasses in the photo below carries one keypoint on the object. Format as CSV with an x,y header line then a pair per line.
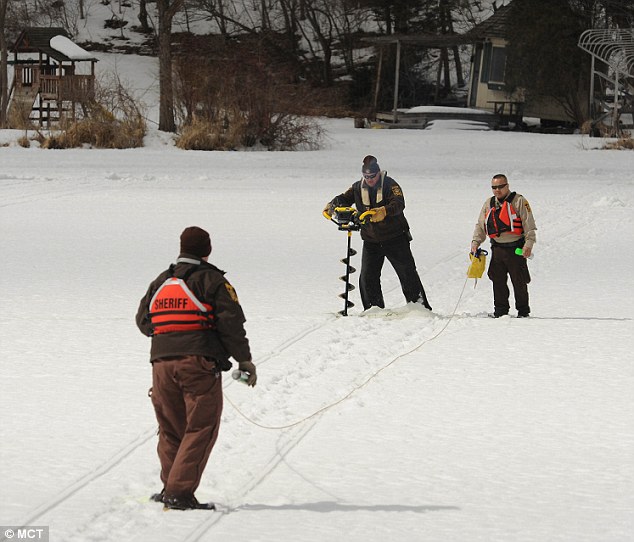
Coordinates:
x,y
498,186
369,175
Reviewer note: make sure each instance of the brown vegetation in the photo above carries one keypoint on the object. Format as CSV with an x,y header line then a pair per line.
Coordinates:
x,y
624,143
101,130
236,98
114,121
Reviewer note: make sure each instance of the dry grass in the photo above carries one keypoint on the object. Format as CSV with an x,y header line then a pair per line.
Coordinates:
x,y
624,143
235,131
113,121
202,135
101,130
24,141
234,99
19,118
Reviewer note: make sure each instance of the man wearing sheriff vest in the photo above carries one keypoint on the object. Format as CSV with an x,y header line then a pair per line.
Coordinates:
x,y
506,218
196,323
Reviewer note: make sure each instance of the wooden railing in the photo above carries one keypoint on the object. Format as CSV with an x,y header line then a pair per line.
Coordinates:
x,y
76,88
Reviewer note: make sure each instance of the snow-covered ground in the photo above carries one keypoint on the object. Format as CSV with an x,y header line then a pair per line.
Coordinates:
x,y
404,426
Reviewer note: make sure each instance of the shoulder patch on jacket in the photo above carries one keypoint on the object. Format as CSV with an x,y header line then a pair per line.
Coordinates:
x,y
396,190
528,207
232,293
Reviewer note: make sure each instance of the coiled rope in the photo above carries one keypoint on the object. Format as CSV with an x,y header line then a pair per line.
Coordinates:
x,y
356,388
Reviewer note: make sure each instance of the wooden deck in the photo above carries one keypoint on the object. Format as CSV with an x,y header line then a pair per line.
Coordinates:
x,y
421,119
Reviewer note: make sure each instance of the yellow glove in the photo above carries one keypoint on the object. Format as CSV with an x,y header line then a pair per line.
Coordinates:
x,y
328,210
378,215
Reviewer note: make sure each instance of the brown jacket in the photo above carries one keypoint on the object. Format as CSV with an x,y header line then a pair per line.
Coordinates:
x,y
208,284
386,194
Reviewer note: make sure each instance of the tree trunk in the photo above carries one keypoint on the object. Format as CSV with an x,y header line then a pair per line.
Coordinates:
x,y
455,50
143,16
166,12
266,23
458,63
4,80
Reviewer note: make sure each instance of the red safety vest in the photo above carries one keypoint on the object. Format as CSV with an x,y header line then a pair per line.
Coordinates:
x,y
174,307
502,219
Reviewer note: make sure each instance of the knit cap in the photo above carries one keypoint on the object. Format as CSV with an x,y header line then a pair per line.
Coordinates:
x,y
370,165
195,241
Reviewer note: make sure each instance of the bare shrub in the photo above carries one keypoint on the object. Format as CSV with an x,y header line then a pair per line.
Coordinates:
x,y
586,127
19,117
39,137
101,130
114,121
23,141
291,132
246,99
205,135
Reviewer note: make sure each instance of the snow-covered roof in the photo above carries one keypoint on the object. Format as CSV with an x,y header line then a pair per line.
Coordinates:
x,y
73,51
54,42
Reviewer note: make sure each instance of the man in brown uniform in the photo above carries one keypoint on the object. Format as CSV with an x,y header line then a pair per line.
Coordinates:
x,y
507,219
386,235
196,323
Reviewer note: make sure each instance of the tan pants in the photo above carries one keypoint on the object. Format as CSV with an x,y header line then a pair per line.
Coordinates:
x,y
187,399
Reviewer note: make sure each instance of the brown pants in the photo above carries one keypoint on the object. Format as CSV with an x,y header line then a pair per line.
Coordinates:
x,y
505,263
187,399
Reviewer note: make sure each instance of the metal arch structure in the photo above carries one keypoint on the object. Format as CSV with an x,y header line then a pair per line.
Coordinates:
x,y
615,49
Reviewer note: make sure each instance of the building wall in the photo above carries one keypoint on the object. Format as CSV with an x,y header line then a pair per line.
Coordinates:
x,y
486,84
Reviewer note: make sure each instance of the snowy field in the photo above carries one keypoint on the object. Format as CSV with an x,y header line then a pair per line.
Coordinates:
x,y
404,426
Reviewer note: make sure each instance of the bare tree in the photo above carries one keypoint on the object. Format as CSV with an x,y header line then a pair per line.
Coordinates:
x,y
143,16
4,80
166,11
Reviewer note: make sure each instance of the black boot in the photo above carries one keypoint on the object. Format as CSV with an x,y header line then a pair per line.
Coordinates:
x,y
158,497
186,503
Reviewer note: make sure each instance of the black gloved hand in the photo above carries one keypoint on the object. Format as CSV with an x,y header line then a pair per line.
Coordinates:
x,y
248,367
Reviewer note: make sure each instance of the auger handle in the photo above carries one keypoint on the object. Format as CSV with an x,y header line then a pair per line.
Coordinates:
x,y
338,210
363,217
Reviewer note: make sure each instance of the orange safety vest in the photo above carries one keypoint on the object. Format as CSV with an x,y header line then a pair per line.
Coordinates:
x,y
502,219
174,307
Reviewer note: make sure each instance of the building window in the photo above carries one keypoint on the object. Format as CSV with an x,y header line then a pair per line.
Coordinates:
x,y
498,64
493,66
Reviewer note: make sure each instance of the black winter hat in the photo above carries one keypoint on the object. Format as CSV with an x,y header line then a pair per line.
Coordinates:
x,y
195,241
370,165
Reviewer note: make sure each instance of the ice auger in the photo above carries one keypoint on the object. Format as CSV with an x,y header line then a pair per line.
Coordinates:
x,y
348,219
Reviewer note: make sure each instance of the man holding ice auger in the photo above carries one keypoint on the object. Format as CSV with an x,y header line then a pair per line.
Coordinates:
x,y
385,235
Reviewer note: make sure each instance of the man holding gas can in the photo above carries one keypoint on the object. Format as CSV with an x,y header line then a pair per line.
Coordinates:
x,y
507,219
